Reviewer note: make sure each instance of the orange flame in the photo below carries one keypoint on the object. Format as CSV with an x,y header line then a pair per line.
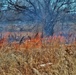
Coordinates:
x,y
28,44
2,42
36,42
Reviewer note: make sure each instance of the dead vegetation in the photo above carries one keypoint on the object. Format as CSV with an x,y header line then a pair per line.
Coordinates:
x,y
48,60
38,56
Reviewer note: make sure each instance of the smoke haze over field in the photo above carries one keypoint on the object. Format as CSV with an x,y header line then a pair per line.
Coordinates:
x,y
47,13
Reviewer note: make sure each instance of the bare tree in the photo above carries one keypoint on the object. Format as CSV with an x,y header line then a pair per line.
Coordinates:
x,y
47,12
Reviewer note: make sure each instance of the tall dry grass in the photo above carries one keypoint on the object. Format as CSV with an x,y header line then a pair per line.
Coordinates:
x,y
38,56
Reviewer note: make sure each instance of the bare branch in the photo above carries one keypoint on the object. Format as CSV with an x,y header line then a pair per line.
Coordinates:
x,y
17,6
64,3
21,40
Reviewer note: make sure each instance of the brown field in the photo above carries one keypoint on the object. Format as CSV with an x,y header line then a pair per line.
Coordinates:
x,y
38,57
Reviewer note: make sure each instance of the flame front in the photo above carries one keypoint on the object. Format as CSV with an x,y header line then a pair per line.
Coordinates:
x,y
36,42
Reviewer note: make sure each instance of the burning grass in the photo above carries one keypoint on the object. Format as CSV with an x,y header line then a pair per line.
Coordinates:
x,y
38,56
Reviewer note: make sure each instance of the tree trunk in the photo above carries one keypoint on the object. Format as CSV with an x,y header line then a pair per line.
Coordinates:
x,y
49,30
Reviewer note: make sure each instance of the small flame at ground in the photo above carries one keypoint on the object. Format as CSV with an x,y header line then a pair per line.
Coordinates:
x,y
36,42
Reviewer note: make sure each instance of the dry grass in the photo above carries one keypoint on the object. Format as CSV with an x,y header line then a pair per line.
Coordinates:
x,y
51,59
